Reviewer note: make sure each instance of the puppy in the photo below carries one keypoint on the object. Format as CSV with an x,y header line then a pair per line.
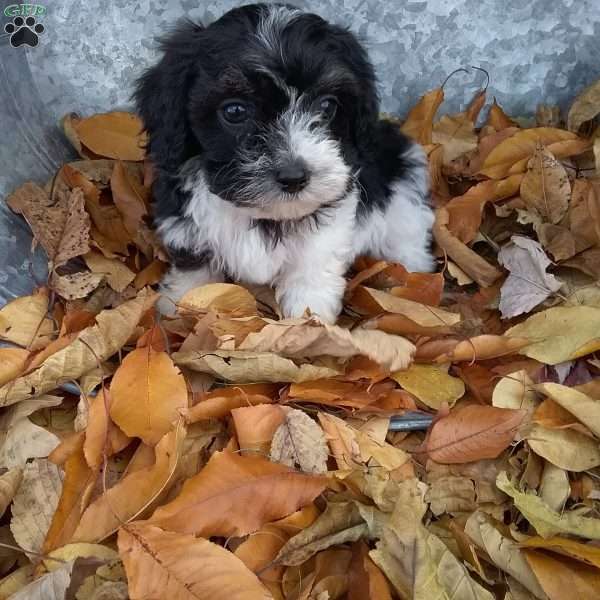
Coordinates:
x,y
272,166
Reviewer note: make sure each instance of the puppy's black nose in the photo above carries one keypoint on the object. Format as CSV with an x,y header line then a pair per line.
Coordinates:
x,y
292,177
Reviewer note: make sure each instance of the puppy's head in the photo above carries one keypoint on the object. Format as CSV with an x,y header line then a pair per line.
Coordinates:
x,y
276,103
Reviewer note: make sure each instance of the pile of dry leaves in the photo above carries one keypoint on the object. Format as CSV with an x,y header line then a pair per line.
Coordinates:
x,y
227,454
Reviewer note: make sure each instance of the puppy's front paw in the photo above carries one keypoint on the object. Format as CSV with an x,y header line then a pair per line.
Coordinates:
x,y
325,303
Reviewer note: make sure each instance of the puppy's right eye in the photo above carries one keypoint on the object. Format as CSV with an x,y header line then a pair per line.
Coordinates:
x,y
235,112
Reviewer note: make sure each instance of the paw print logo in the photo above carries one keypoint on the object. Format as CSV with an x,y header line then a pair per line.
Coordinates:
x,y
24,31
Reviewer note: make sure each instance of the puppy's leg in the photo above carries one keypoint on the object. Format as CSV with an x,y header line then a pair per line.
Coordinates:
x,y
179,281
408,218
313,286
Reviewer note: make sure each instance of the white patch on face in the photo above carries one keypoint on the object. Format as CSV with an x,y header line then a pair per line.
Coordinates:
x,y
272,23
296,135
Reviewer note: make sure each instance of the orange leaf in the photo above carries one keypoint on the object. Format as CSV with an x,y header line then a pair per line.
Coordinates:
x,y
217,407
475,106
77,486
564,578
114,135
255,426
12,363
419,122
148,391
130,197
102,436
150,275
472,432
236,495
465,211
512,154
162,564
128,498
498,119
481,347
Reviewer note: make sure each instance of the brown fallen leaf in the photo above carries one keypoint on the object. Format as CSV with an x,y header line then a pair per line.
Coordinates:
x,y
162,564
255,427
545,188
419,121
471,263
300,443
226,298
472,432
61,226
236,495
148,391
116,273
587,553
130,197
114,135
221,402
456,135
75,285
367,582
9,484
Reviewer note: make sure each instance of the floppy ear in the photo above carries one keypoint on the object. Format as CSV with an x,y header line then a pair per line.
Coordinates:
x,y
161,96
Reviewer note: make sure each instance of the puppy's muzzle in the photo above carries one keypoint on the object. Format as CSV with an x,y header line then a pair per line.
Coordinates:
x,y
292,177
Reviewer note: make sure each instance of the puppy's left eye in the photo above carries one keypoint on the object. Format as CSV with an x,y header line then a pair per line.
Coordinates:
x,y
326,106
235,112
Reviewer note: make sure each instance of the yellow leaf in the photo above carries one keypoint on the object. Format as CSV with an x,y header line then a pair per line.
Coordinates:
x,y
114,135
566,448
15,581
116,273
431,384
559,334
520,147
546,521
23,321
93,345
148,391
587,553
515,390
221,298
12,363
56,558
162,564
419,122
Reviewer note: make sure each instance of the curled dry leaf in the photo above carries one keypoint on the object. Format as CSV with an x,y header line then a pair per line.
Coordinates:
x,y
148,391
472,432
528,283
471,263
24,321
114,135
419,122
221,402
92,346
299,442
431,385
163,564
560,333
585,107
241,366
340,523
301,339
456,135
587,553
35,503
221,298
236,495
546,521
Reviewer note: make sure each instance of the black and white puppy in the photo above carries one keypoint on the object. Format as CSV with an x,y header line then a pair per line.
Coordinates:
x,y
271,163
